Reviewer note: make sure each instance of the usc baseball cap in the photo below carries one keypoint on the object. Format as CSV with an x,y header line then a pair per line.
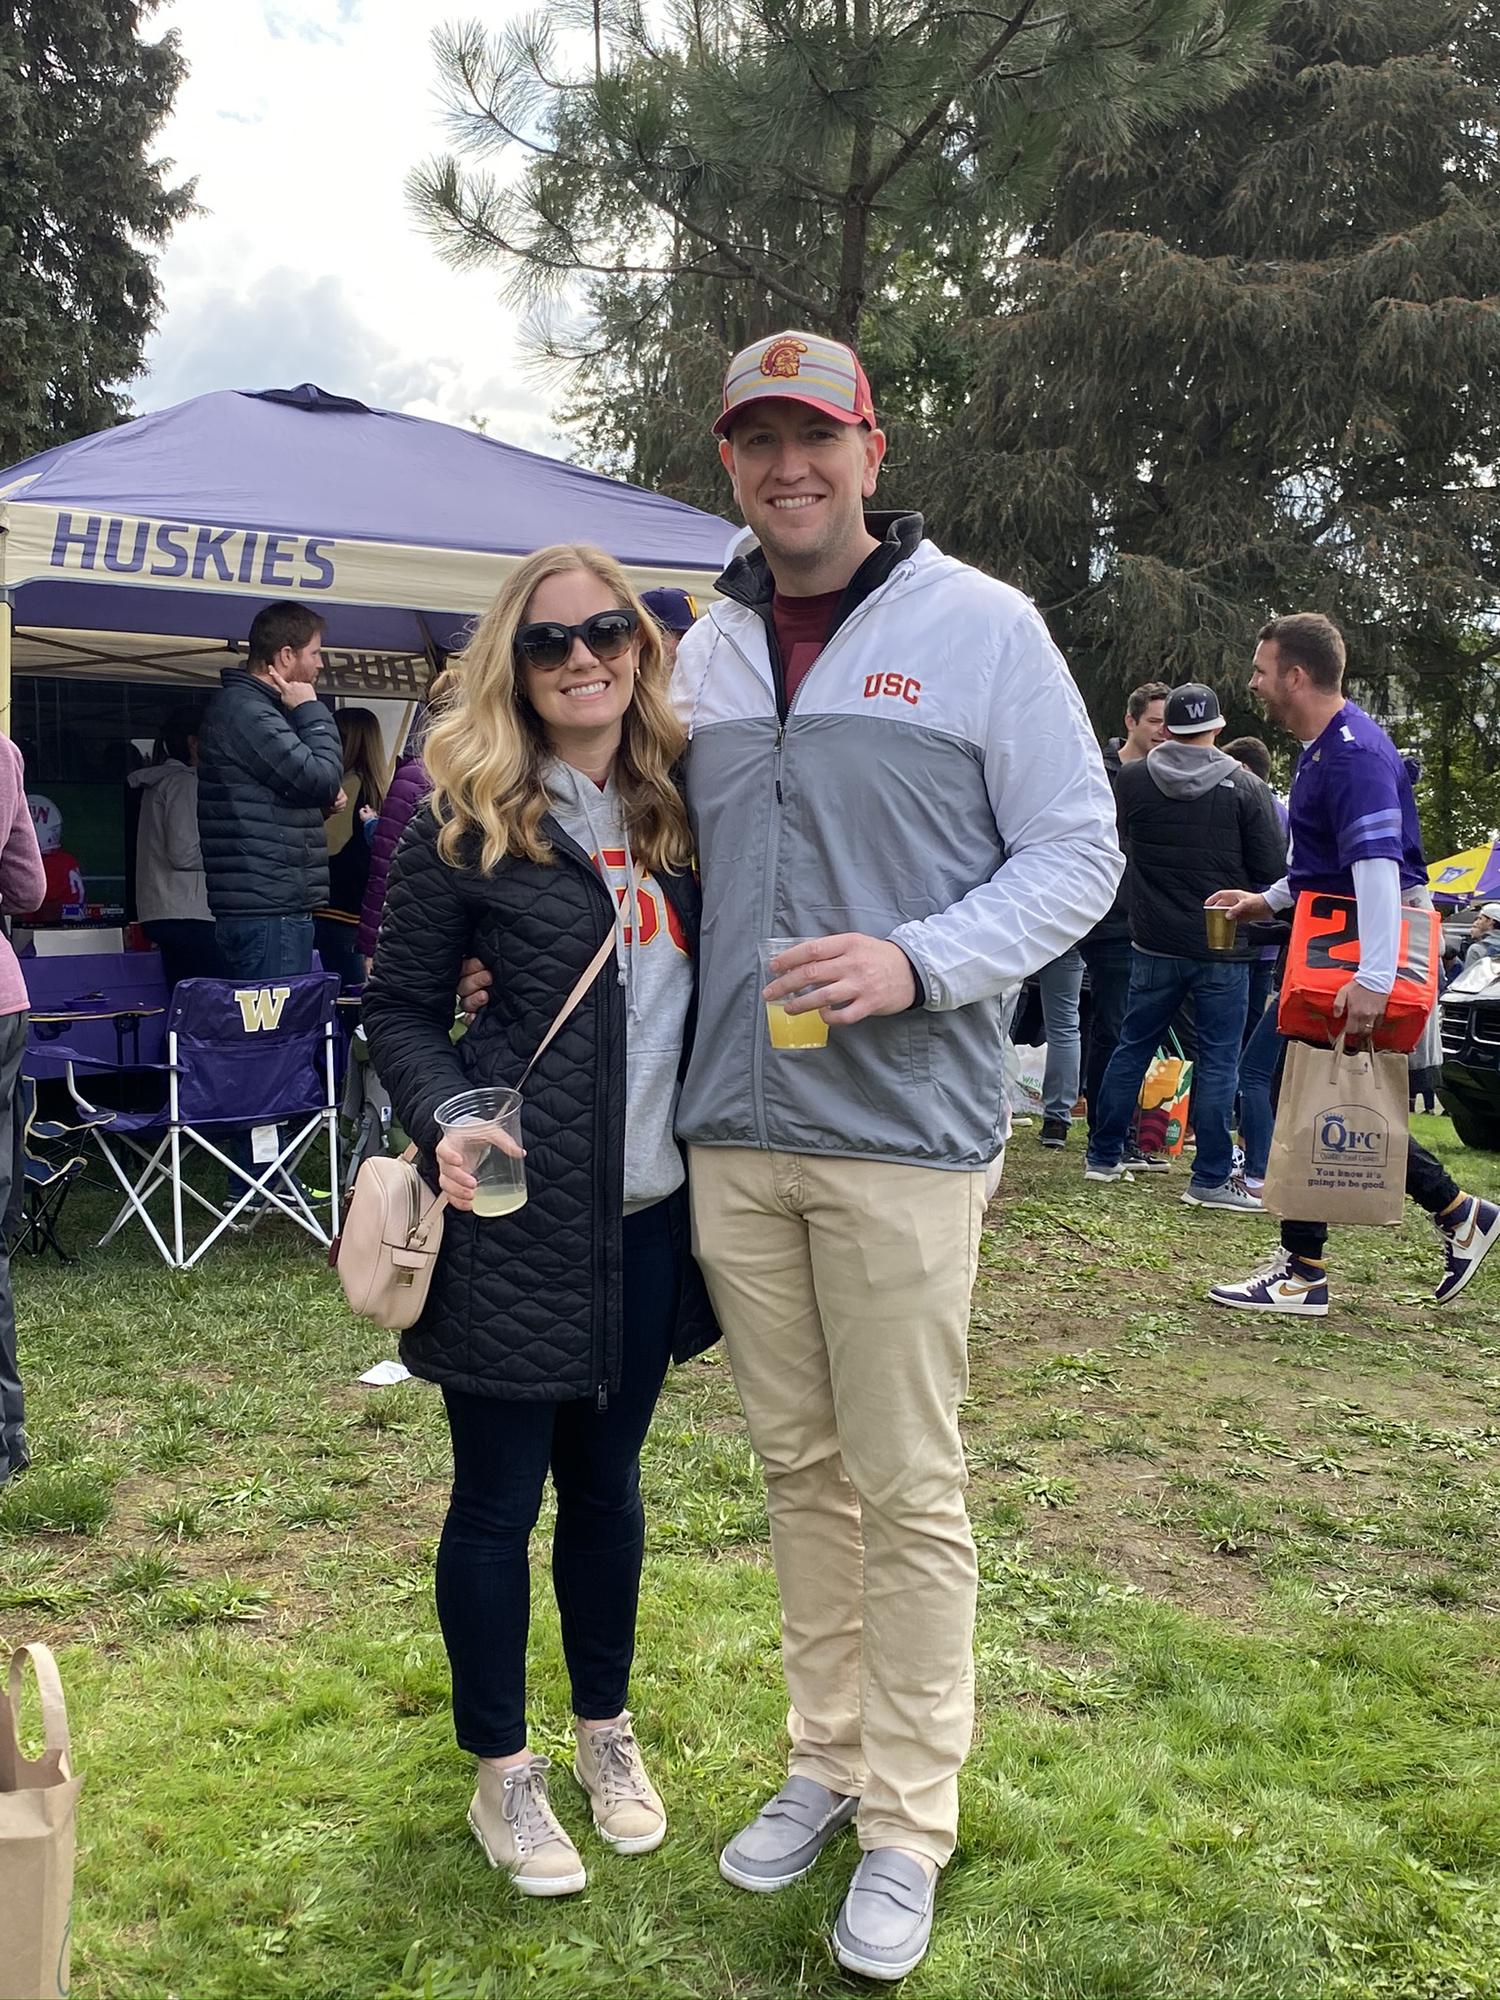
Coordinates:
x,y
799,368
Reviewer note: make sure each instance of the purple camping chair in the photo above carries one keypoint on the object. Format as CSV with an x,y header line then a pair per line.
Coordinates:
x,y
237,1055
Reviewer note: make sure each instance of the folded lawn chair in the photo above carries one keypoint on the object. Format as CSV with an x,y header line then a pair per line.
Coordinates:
x,y
48,1172
365,1117
237,1056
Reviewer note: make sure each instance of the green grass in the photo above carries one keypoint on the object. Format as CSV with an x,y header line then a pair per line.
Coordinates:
x,y
1236,1655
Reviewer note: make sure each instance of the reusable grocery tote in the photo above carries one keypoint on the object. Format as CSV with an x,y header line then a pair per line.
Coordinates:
x,y
38,1800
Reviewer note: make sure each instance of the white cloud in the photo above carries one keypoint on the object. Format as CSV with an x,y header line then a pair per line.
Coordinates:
x,y
300,119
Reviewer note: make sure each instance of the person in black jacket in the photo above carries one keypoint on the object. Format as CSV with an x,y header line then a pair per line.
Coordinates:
x,y
554,819
1106,949
1191,821
269,769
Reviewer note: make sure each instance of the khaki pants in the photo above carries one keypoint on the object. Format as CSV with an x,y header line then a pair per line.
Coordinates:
x,y
843,1290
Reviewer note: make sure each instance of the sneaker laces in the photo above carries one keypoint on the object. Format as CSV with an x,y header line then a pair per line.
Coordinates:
x,y
1279,1266
527,1808
616,1757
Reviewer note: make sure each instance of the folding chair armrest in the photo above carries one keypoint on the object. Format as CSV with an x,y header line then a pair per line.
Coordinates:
x,y
93,1113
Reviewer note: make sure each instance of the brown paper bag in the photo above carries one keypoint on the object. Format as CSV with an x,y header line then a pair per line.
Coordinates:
x,y
38,1799
1338,1153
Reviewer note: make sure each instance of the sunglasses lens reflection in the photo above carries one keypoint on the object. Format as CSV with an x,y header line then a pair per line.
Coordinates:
x,y
548,646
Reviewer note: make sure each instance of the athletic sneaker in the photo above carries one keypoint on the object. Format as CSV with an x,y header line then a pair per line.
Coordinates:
x,y
1230,1194
1054,1132
1466,1243
1093,1171
513,1821
1146,1163
786,1836
1286,1285
627,1807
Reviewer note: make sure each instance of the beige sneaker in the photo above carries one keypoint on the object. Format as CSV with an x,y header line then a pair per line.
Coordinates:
x,y
515,1825
627,1807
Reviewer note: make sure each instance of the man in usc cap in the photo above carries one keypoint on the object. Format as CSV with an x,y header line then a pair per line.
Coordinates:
x,y
887,760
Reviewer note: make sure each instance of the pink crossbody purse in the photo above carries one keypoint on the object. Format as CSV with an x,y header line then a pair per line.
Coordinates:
x,y
393,1228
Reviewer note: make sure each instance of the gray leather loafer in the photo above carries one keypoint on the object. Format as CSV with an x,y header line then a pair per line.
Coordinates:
x,y
786,1836
883,1928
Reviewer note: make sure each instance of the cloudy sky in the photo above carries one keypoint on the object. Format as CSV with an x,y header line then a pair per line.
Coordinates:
x,y
300,119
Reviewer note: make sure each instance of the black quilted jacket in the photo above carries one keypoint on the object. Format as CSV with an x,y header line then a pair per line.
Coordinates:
x,y
528,1305
266,776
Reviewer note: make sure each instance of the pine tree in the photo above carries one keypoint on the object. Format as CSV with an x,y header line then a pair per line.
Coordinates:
x,y
1251,364
704,176
82,96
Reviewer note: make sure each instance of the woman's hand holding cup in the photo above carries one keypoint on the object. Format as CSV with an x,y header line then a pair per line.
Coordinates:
x,y
455,1160
454,1177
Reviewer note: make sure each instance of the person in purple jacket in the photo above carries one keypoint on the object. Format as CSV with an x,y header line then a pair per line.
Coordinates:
x,y
23,884
410,784
1355,834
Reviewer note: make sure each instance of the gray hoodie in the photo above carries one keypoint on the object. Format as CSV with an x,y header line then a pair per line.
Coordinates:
x,y
653,966
169,883
1186,771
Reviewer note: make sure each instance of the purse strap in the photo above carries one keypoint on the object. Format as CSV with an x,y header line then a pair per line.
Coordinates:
x,y
585,980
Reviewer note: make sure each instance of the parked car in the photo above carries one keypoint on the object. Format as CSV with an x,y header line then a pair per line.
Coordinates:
x,y
1470,1021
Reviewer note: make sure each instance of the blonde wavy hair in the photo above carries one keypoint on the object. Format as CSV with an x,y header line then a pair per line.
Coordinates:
x,y
486,749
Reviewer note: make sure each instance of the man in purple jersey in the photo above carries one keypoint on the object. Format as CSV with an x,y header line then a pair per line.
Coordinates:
x,y
1354,833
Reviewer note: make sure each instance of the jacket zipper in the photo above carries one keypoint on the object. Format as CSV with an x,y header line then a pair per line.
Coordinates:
x,y
601,1261
600,998
773,852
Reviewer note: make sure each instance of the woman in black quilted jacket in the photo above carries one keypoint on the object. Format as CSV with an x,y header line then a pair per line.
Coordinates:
x,y
554,822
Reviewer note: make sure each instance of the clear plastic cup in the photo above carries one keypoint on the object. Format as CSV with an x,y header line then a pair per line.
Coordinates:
x,y
1221,927
487,1125
789,1032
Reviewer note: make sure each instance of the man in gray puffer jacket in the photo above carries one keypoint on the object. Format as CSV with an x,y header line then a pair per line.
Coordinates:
x,y
269,770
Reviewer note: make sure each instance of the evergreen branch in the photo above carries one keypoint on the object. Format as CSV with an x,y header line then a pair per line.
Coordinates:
x,y
924,129
746,271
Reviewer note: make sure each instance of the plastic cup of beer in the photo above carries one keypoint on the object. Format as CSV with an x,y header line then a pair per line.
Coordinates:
x,y
790,1032
487,1126
1221,926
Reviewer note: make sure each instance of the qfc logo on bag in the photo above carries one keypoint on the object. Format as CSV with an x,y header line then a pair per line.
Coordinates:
x,y
1351,1135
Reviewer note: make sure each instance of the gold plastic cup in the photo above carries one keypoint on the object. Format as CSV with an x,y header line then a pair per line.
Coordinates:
x,y
1222,928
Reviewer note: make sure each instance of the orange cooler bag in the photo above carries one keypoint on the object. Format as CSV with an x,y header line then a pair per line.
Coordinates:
x,y
1324,954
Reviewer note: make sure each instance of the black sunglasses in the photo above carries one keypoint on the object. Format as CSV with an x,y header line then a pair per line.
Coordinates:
x,y
549,645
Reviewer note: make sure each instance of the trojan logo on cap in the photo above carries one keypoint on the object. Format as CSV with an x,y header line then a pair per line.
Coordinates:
x,y
783,358
799,368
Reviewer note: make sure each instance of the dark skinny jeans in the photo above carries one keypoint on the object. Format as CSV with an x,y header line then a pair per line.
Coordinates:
x,y
502,1453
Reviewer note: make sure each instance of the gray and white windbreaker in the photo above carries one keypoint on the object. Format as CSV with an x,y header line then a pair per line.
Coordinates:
x,y
935,782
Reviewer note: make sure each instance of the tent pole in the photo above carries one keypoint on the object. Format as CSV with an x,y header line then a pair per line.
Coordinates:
x,y
5,632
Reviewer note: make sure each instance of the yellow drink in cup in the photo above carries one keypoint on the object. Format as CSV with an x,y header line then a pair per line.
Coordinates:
x,y
790,1032
498,1200
795,1031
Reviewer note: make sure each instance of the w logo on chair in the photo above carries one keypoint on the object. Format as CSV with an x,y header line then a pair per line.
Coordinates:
x,y
260,1006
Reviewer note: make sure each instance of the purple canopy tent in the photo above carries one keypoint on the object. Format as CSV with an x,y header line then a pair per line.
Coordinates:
x,y
149,548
